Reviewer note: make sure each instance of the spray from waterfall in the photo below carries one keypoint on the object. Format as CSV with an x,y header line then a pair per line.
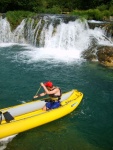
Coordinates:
x,y
51,33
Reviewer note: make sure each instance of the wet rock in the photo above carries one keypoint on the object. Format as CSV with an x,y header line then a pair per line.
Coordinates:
x,y
106,25
90,53
105,55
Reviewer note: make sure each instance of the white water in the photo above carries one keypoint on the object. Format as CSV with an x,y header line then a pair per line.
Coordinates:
x,y
5,141
63,43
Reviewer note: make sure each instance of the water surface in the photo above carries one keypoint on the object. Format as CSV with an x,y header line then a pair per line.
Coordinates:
x,y
90,126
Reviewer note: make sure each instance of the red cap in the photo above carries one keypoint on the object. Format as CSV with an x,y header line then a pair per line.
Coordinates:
x,y
48,84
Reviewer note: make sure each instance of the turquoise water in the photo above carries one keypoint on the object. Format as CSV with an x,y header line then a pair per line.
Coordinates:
x,y
89,127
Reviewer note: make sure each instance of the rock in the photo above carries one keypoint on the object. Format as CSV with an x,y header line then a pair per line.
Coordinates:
x,y
90,53
105,55
111,18
106,25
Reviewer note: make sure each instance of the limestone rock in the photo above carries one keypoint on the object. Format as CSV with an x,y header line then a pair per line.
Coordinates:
x,y
105,55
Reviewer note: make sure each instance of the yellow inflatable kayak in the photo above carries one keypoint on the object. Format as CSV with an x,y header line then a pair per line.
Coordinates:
x,y
16,119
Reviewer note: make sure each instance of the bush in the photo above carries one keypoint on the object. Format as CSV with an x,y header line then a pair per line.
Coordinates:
x,y
98,14
106,13
102,7
82,14
15,17
111,10
92,14
53,10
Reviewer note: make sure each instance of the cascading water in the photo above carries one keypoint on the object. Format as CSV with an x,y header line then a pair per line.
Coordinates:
x,y
52,35
6,35
50,48
5,32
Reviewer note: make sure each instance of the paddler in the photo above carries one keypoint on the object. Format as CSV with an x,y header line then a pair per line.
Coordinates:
x,y
54,94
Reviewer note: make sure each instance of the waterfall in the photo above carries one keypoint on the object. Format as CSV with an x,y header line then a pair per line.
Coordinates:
x,y
7,36
52,33
5,32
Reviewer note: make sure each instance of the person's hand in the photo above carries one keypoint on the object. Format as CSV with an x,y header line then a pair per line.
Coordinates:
x,y
42,84
35,96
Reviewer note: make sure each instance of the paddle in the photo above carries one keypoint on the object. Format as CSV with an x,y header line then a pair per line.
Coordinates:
x,y
37,92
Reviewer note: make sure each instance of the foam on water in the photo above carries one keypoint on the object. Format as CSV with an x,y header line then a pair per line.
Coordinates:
x,y
46,54
65,43
5,141
6,44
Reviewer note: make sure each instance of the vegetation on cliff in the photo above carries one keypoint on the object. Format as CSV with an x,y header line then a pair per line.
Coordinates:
x,y
40,6
16,10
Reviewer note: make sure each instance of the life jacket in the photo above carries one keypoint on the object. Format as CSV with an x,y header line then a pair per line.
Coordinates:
x,y
54,97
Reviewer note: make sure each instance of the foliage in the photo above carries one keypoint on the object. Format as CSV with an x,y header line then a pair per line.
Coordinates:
x,y
53,10
95,14
20,9
111,10
15,17
102,7
82,14
45,5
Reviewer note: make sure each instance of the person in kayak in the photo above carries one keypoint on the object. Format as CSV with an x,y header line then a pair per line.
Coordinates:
x,y
54,94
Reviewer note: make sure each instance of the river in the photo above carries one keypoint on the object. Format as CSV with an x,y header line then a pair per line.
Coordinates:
x,y
22,68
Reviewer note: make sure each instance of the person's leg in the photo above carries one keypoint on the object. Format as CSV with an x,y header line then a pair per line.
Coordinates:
x,y
55,105
51,105
47,106
44,108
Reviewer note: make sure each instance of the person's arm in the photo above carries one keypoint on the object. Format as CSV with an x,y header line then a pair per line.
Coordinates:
x,y
42,94
47,91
